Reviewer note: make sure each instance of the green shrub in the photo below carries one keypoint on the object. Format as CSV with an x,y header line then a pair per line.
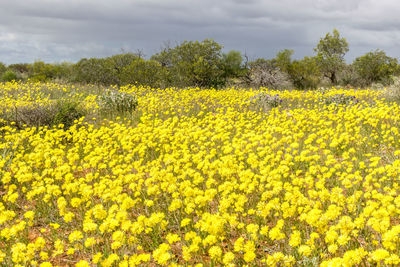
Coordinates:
x,y
67,111
193,63
39,78
3,68
143,72
376,67
115,101
9,76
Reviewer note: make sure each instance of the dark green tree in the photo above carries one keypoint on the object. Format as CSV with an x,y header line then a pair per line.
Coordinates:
x,y
9,76
143,72
21,68
41,71
330,55
283,60
119,62
305,73
96,70
193,63
63,71
232,65
375,66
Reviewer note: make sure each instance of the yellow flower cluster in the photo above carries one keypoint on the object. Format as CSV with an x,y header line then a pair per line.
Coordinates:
x,y
15,95
202,177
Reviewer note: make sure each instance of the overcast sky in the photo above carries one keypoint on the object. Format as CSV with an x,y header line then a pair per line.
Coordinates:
x,y
67,30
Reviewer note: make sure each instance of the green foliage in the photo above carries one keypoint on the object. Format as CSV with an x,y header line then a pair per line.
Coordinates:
x,y
330,54
283,59
41,72
67,111
115,101
3,68
104,71
193,63
375,67
39,78
22,68
63,71
348,76
305,73
119,62
232,65
143,72
95,70
9,76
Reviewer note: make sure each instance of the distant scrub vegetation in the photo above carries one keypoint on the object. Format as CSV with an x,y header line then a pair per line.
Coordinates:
x,y
204,64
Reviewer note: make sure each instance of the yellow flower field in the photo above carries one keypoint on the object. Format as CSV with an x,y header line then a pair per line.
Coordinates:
x,y
203,177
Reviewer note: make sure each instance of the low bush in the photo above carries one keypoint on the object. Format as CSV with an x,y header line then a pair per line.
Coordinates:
x,y
9,76
32,115
266,101
340,99
60,112
116,101
67,111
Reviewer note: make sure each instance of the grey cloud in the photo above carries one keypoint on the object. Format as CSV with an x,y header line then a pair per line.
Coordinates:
x,y
57,30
